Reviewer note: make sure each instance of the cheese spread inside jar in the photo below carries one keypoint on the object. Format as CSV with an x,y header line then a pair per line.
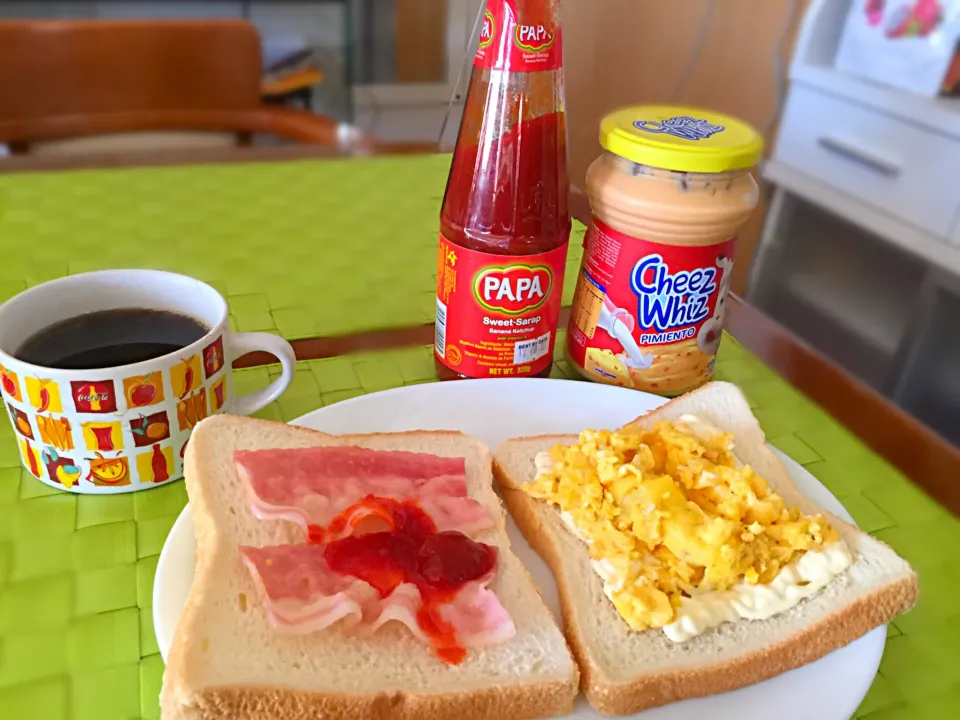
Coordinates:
x,y
668,196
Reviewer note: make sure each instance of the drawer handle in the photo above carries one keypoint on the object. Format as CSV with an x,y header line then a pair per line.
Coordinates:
x,y
860,156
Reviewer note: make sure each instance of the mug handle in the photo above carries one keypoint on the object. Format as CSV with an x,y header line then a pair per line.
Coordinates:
x,y
243,343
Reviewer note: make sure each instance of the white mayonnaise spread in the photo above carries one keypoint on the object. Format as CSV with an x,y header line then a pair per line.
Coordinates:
x,y
812,572
543,462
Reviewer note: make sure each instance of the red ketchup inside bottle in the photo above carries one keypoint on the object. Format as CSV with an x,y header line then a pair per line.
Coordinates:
x,y
504,224
410,551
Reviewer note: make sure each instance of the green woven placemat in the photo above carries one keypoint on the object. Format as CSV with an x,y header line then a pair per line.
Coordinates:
x,y
76,573
307,248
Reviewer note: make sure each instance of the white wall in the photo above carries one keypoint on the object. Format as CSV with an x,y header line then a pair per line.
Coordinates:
x,y
411,124
36,9
319,23
169,10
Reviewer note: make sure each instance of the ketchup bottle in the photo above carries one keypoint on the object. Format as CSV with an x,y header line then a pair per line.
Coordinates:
x,y
504,226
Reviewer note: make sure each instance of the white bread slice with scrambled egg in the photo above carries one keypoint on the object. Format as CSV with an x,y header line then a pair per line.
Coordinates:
x,y
625,671
228,663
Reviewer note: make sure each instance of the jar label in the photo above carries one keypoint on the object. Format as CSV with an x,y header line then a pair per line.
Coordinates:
x,y
506,44
497,314
647,315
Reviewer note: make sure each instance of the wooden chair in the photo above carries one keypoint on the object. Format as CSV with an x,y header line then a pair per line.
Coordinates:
x,y
177,81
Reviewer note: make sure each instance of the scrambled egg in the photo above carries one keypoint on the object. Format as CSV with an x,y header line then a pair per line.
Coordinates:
x,y
668,513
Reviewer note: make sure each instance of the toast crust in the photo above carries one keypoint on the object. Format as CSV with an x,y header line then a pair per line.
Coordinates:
x,y
253,703
180,700
645,692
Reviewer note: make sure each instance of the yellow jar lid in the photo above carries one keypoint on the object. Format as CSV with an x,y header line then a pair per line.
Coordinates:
x,y
681,138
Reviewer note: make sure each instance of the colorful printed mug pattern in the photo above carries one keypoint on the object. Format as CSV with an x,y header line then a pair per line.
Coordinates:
x,y
143,390
114,433
150,429
44,395
10,384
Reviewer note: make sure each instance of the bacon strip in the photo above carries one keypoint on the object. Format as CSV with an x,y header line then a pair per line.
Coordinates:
x,y
301,594
312,486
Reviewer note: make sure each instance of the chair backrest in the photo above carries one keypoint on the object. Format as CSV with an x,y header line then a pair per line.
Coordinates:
x,y
63,78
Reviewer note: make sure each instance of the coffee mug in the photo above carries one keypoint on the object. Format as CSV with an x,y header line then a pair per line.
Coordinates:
x,y
120,429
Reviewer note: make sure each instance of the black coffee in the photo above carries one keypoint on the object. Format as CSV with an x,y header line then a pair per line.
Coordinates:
x,y
109,338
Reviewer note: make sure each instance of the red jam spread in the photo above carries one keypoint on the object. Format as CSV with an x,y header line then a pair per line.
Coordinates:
x,y
410,551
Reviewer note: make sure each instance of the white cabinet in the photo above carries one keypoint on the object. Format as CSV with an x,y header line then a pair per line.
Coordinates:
x,y
929,386
863,230
894,165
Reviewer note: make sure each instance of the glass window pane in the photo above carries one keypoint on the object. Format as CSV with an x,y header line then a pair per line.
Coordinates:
x,y
401,41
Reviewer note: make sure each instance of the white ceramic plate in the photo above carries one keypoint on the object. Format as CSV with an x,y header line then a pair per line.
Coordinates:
x,y
495,410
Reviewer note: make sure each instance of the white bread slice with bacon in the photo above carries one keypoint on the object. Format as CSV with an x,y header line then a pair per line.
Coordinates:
x,y
228,662
625,671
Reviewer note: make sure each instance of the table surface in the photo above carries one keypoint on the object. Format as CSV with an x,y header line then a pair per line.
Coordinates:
x,y
299,248
76,572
